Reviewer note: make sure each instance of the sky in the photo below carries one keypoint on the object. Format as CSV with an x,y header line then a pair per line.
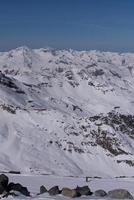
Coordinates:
x,y
106,25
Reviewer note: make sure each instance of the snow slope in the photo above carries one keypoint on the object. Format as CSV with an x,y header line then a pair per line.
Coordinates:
x,y
67,112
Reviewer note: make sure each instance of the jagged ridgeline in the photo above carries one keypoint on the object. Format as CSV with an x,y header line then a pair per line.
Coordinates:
x,y
67,112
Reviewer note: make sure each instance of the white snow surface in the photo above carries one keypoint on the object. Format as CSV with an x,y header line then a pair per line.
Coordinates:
x,y
33,183
52,94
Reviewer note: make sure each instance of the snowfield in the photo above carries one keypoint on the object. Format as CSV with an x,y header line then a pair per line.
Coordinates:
x,y
33,184
67,112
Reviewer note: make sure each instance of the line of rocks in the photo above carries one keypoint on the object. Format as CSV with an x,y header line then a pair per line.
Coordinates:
x,y
85,190
77,192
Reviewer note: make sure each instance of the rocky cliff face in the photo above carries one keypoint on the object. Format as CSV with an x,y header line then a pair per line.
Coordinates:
x,y
67,112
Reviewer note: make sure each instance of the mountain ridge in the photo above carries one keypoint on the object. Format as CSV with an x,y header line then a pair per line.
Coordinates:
x,y
65,111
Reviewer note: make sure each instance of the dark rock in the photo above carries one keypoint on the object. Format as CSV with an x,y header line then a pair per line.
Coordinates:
x,y
70,192
3,183
115,74
18,187
9,109
10,83
2,189
98,72
90,83
9,194
42,189
85,190
119,194
54,191
100,193
14,172
121,124
9,187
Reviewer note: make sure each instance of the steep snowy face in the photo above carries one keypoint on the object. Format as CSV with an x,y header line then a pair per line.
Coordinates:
x,y
65,111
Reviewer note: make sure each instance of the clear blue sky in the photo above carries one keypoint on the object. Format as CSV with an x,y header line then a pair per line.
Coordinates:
x,y
77,24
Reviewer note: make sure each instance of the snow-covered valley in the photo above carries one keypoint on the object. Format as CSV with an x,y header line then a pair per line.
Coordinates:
x,y
67,112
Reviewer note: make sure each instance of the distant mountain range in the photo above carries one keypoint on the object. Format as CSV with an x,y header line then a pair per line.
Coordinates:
x,y
67,112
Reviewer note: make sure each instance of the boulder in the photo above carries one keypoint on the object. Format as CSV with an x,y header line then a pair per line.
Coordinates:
x,y
100,193
2,189
3,183
4,180
42,189
19,188
70,192
84,190
54,191
119,194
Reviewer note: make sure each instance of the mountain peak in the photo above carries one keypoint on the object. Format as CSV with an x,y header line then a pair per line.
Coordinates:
x,y
23,48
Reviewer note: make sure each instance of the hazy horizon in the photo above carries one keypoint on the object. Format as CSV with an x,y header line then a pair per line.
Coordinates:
x,y
63,24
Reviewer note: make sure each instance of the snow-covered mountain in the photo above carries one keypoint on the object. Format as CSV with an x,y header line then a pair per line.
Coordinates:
x,y
67,112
